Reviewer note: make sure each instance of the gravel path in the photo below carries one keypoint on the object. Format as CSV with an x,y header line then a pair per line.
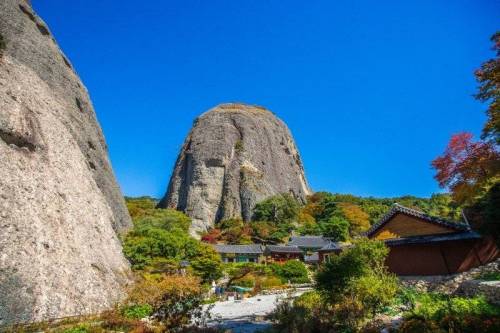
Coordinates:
x,y
245,316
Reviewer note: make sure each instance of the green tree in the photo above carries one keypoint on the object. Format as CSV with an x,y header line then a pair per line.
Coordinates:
x,y
159,241
294,271
484,214
336,228
281,208
365,257
207,264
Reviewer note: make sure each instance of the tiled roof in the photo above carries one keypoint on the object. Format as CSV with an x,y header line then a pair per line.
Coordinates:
x,y
331,246
242,249
283,249
308,241
433,238
397,208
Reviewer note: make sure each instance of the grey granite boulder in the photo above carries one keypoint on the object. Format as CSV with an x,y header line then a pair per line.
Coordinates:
x,y
235,156
60,206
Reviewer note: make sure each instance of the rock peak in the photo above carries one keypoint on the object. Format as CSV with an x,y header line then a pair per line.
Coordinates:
x,y
234,156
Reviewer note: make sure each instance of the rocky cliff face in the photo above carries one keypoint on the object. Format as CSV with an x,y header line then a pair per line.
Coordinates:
x,y
60,206
235,156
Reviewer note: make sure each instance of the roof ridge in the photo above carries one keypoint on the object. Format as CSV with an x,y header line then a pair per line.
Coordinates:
x,y
398,208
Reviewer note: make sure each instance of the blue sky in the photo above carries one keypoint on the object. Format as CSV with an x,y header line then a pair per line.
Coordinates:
x,y
371,90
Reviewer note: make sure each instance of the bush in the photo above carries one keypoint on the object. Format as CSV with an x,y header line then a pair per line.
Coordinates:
x,y
294,271
433,306
356,283
374,291
300,316
364,258
175,301
419,325
308,300
269,282
490,276
137,311
78,329
434,312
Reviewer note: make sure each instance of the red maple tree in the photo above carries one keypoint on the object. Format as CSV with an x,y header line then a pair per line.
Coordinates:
x,y
466,166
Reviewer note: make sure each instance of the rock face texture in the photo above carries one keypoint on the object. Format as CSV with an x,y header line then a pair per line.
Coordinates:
x,y
60,206
235,156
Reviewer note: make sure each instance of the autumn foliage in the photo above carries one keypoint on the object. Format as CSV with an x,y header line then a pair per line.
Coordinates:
x,y
488,77
466,167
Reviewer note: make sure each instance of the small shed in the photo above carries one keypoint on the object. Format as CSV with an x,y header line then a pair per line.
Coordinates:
x,y
240,253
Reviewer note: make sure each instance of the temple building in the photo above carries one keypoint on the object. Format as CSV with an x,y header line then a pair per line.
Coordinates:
x,y
425,245
240,253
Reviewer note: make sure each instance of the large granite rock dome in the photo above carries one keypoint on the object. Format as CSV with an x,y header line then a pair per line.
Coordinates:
x,y
60,206
235,156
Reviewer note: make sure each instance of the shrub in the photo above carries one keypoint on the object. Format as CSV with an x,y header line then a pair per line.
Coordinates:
x,y
364,258
137,311
490,276
294,271
374,291
299,318
247,281
356,283
433,306
308,300
176,301
437,313
418,325
269,282
77,329
115,321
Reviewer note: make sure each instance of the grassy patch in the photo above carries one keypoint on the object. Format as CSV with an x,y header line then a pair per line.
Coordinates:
x,y
490,276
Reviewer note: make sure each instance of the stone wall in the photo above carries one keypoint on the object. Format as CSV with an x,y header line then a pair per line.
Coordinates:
x,y
463,284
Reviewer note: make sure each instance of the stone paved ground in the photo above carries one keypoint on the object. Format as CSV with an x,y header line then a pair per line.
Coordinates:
x,y
246,316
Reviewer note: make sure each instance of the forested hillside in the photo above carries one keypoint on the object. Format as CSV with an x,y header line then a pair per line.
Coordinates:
x,y
339,216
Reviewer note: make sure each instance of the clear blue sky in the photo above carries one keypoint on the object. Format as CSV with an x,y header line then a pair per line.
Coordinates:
x,y
371,90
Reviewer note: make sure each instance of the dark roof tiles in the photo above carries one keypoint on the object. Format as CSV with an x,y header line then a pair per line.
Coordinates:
x,y
283,249
464,235
240,249
397,208
308,241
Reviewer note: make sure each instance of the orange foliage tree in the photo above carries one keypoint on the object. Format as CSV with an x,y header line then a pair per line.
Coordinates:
x,y
359,220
